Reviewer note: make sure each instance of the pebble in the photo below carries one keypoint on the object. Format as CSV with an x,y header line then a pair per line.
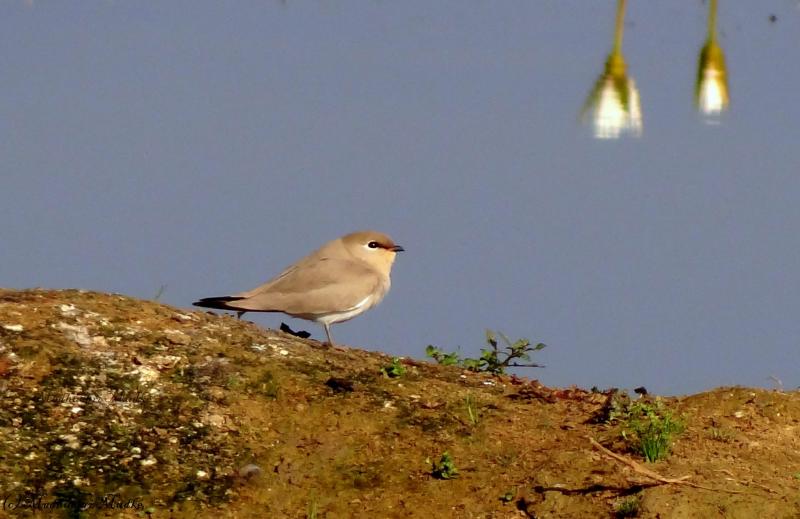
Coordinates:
x,y
249,471
177,337
13,327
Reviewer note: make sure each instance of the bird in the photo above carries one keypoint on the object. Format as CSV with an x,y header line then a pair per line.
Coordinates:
x,y
339,281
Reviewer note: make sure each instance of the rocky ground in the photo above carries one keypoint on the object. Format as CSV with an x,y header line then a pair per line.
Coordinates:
x,y
117,407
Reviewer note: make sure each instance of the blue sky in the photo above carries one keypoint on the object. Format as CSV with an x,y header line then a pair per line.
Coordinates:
x,y
206,145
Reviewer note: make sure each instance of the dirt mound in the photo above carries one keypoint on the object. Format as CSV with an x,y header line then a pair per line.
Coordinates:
x,y
112,406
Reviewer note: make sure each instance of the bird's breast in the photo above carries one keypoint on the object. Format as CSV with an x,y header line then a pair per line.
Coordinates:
x,y
359,308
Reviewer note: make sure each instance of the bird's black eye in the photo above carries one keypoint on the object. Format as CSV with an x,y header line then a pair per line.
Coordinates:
x,y
373,245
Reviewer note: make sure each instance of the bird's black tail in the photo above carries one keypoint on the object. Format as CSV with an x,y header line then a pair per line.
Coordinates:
x,y
219,303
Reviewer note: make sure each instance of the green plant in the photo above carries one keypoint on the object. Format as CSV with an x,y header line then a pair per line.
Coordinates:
x,y
312,509
445,359
721,435
649,428
508,495
494,360
472,409
616,407
628,507
445,468
395,369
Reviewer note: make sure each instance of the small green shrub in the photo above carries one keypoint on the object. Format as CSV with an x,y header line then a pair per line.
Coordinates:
x,y
649,428
445,468
494,360
394,370
628,507
445,359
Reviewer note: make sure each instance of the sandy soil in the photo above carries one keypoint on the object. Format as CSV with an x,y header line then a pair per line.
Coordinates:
x,y
116,407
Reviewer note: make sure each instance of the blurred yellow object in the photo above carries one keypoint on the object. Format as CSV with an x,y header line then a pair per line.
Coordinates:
x,y
711,88
614,101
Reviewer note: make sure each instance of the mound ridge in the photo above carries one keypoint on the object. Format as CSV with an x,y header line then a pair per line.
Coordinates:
x,y
112,407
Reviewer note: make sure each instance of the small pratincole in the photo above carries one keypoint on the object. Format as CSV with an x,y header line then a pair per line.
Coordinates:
x,y
342,279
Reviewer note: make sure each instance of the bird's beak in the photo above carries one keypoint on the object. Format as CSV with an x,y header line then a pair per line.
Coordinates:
x,y
396,248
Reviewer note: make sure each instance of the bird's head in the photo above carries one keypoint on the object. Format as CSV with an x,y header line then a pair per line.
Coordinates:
x,y
375,248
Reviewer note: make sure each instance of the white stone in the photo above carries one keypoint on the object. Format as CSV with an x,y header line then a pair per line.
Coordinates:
x,y
72,440
145,374
77,334
68,310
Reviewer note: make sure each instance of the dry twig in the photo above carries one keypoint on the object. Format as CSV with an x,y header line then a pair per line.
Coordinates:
x,y
654,475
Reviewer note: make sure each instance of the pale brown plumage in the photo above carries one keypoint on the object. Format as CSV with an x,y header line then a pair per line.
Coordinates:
x,y
340,280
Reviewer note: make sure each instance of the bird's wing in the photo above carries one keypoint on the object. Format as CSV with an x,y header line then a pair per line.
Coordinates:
x,y
317,288
307,261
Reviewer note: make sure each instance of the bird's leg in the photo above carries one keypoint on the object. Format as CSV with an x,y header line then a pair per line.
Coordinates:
x,y
240,313
328,333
